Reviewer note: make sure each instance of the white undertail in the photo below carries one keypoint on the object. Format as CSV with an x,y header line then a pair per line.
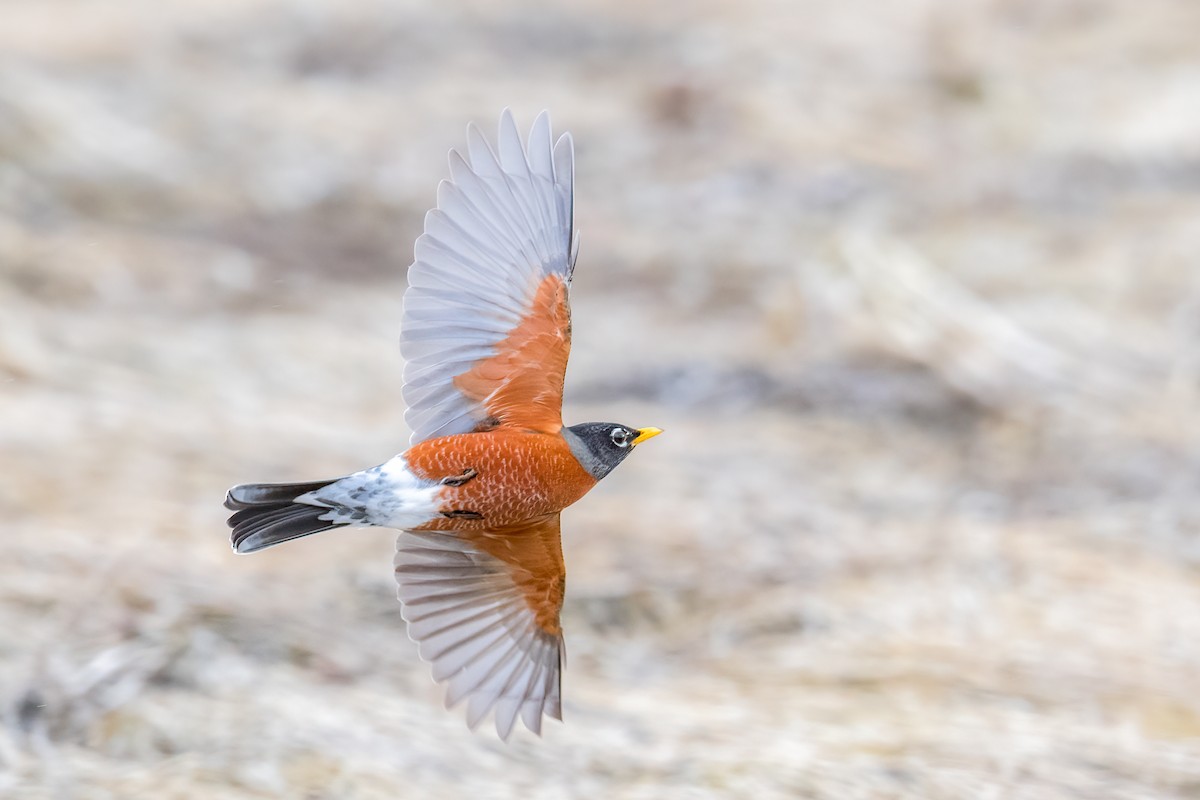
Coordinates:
x,y
389,496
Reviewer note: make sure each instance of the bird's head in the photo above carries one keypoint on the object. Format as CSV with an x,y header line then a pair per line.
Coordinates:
x,y
600,446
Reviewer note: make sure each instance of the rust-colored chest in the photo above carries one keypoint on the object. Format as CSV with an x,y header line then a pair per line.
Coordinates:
x,y
518,476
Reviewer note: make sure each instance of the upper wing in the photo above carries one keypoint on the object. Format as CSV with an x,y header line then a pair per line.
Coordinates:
x,y
483,606
487,327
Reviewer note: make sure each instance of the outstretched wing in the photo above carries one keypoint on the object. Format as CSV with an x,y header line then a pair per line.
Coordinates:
x,y
484,607
487,325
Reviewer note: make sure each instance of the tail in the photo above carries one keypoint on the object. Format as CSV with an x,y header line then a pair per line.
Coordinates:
x,y
266,514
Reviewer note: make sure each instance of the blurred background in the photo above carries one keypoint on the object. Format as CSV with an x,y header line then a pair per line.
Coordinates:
x,y
914,289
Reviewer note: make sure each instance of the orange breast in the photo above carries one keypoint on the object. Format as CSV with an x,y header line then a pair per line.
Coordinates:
x,y
519,476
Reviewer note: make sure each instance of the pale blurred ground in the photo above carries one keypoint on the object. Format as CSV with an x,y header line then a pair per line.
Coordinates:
x,y
914,288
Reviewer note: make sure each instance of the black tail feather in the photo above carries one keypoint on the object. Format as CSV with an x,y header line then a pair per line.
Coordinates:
x,y
249,495
267,514
259,533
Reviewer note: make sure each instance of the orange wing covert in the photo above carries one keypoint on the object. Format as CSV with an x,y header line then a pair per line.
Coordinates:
x,y
522,385
533,553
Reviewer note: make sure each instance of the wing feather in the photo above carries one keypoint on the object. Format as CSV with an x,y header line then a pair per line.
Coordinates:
x,y
486,330
483,607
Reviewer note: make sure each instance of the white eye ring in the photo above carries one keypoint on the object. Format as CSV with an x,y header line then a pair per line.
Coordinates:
x,y
620,437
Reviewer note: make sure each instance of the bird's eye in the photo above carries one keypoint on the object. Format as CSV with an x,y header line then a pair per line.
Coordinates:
x,y
620,437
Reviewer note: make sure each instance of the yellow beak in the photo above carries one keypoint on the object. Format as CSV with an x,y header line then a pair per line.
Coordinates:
x,y
646,433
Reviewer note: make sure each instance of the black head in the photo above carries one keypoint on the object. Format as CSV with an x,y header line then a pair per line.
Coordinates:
x,y
600,446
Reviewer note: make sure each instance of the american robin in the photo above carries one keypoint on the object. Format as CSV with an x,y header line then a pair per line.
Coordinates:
x,y
485,336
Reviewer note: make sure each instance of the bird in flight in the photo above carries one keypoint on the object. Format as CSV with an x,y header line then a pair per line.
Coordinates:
x,y
485,336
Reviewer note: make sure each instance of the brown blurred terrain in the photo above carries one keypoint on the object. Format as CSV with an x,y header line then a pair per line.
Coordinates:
x,y
914,289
